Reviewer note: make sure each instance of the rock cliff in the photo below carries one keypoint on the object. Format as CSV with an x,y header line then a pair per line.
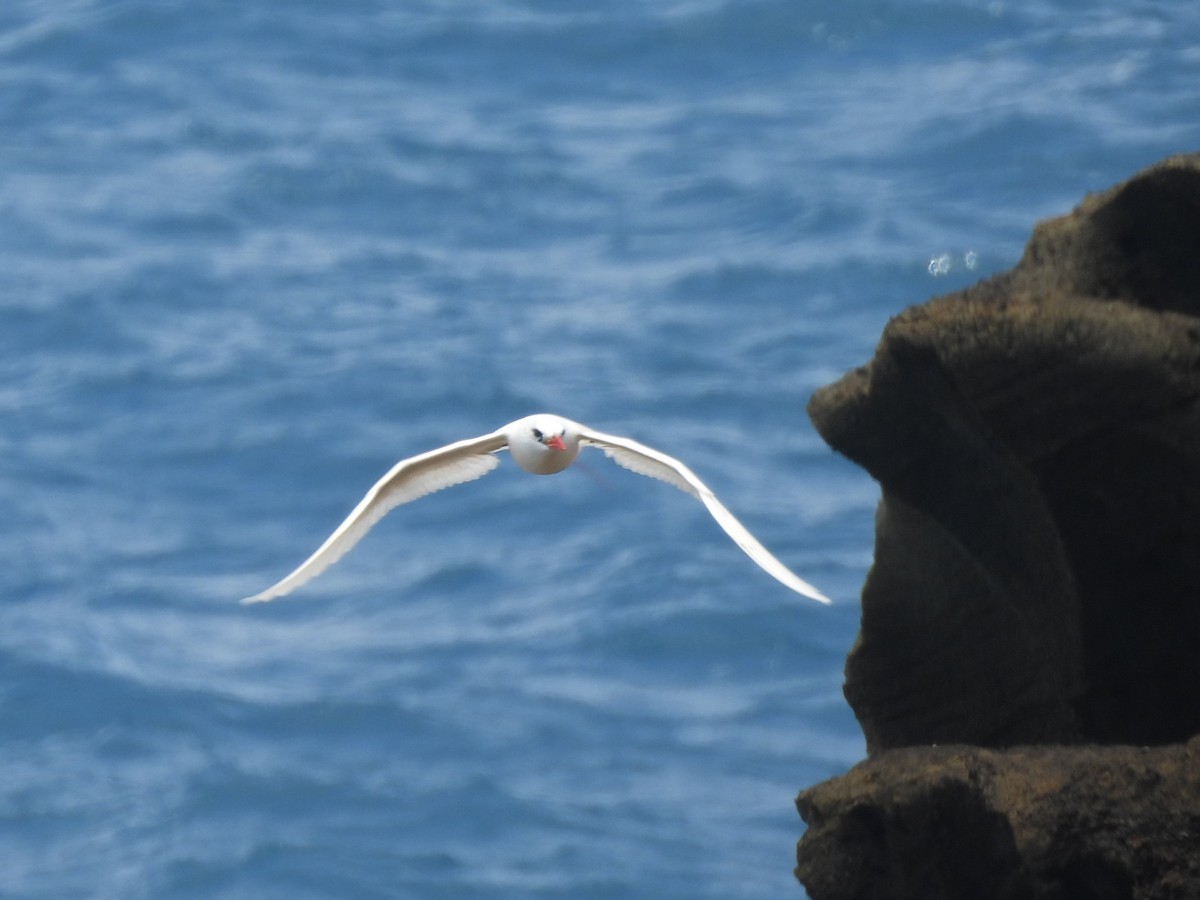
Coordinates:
x,y
1036,583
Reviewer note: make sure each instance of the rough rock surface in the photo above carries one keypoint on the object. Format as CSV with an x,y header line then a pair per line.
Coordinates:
x,y
964,822
1037,563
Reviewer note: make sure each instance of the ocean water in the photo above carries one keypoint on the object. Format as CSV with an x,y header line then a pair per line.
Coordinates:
x,y
253,254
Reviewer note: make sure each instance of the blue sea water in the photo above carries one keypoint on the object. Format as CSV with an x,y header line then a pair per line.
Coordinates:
x,y
252,254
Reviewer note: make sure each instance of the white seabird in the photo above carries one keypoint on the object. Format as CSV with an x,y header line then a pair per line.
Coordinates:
x,y
542,444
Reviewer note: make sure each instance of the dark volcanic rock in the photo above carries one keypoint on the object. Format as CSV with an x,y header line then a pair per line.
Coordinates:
x,y
964,823
1037,560
1036,580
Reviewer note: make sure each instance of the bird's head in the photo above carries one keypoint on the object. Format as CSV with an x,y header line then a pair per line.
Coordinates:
x,y
543,444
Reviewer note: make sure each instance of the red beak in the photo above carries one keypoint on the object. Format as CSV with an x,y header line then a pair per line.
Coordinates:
x,y
556,442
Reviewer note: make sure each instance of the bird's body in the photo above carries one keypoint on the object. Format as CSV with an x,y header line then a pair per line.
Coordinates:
x,y
542,445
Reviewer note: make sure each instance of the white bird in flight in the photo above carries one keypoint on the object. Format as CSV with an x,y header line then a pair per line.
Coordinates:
x,y
542,444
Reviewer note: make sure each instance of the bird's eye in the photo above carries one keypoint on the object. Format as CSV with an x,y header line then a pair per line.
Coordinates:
x,y
537,433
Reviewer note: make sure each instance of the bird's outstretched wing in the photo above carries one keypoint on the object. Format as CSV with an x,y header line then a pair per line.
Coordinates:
x,y
648,461
408,480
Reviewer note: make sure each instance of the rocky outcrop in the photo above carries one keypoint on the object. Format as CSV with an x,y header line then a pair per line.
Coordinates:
x,y
965,823
1036,580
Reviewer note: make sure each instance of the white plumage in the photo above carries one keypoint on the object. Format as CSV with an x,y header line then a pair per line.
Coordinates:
x,y
542,444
